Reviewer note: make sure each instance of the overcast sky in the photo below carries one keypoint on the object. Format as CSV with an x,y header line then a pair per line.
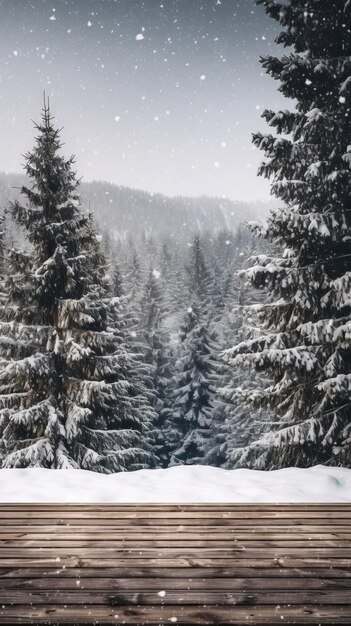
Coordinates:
x,y
161,95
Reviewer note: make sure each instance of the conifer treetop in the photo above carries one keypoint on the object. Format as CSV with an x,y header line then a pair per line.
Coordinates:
x,y
66,261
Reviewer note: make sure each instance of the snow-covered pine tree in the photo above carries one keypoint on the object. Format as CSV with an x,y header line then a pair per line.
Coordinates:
x,y
134,274
3,269
243,424
158,356
174,278
234,424
2,247
193,391
126,322
306,330
196,371
228,324
137,372
117,280
64,388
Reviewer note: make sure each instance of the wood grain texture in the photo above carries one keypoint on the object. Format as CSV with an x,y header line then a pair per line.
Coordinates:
x,y
175,564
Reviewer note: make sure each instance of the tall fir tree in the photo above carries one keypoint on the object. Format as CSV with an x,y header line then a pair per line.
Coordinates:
x,y
3,269
243,425
193,392
196,371
158,357
305,341
65,396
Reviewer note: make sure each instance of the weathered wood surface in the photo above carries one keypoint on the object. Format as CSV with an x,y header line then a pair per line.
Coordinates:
x,y
175,564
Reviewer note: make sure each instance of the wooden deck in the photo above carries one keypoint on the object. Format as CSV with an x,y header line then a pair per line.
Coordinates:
x,y
175,564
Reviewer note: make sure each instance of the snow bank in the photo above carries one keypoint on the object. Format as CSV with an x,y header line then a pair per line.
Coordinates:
x,y
177,484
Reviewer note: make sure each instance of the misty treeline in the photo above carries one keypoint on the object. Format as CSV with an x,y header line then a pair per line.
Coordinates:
x,y
125,210
214,348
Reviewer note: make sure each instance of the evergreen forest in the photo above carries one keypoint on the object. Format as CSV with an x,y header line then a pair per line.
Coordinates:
x,y
227,343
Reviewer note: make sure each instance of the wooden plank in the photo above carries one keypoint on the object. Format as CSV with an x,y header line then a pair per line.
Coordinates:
x,y
149,571
133,552
143,583
183,598
133,529
85,545
154,616
182,514
180,561
188,512
172,522
77,537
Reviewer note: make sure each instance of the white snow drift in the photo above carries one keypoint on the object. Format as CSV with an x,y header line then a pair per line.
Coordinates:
x,y
177,484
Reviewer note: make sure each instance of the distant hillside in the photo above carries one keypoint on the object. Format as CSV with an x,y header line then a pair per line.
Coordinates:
x,y
125,211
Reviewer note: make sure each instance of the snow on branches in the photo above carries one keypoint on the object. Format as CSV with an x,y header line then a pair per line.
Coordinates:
x,y
65,395
304,344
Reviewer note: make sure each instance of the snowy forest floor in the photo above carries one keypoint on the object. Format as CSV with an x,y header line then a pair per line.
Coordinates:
x,y
194,483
